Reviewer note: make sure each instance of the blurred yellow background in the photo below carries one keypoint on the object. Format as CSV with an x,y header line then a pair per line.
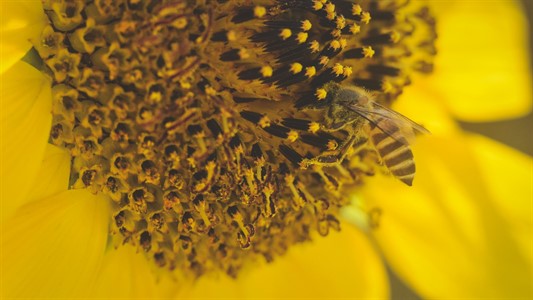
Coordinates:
x,y
516,133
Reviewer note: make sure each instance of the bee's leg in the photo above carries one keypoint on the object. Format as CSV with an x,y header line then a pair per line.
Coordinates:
x,y
356,143
332,158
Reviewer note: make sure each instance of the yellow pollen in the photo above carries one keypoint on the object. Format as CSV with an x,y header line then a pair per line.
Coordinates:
x,y
200,186
310,71
285,33
332,145
180,23
293,136
330,7
324,60
330,15
209,90
335,45
321,94
347,71
231,35
314,127
368,52
340,22
243,54
306,25
338,69
240,150
314,46
343,42
155,97
185,84
264,122
365,17
336,33
302,37
317,5
259,11
354,28
147,115
356,9
387,87
266,71
268,190
296,68
192,162
395,36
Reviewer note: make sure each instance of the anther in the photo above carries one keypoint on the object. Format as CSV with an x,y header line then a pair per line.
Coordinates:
x,y
321,94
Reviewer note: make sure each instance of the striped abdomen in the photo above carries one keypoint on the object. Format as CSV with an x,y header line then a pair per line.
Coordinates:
x,y
394,151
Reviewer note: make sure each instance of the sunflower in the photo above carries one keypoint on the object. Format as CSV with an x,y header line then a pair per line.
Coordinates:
x,y
148,150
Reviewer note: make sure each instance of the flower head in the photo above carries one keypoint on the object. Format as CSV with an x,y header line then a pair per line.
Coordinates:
x,y
205,125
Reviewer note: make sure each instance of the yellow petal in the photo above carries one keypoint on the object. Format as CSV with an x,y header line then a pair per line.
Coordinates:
x,y
20,22
25,120
343,265
447,236
52,248
53,175
427,109
509,178
482,68
127,273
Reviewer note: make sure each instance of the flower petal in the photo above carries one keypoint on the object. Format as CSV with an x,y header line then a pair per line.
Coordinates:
x,y
53,175
509,177
126,273
343,265
20,22
426,108
482,68
25,119
447,236
52,248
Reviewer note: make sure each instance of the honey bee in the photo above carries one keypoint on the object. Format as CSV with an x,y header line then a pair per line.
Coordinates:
x,y
355,110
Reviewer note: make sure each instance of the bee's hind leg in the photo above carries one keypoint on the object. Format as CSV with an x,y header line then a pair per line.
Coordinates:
x,y
335,157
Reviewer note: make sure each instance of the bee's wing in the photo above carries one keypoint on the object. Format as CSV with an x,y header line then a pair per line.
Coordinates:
x,y
395,121
397,117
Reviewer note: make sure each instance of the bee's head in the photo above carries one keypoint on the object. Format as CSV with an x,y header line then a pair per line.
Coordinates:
x,y
350,96
340,99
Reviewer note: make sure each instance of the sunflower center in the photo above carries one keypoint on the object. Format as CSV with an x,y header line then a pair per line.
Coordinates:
x,y
196,118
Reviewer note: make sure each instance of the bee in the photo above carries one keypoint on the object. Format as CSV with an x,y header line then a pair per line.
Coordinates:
x,y
355,110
